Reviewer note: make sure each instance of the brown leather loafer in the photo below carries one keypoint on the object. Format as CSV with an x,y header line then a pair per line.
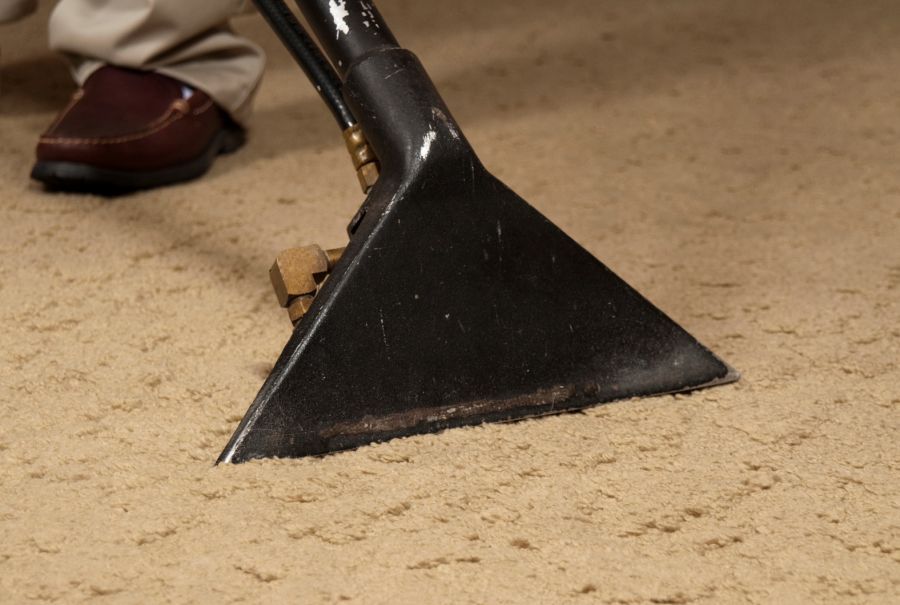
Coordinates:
x,y
127,130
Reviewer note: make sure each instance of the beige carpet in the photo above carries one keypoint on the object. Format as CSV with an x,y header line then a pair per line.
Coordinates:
x,y
736,161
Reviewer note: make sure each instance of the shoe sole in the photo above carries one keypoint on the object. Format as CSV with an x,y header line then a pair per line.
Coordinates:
x,y
85,178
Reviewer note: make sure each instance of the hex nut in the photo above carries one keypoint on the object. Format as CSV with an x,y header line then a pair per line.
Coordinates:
x,y
334,255
299,306
367,175
297,272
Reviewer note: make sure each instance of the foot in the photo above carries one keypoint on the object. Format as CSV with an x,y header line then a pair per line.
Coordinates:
x,y
127,130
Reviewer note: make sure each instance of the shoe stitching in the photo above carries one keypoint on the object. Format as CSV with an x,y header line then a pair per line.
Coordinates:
x,y
76,96
203,108
165,121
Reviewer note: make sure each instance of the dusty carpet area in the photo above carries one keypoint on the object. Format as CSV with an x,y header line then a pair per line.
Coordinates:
x,y
737,162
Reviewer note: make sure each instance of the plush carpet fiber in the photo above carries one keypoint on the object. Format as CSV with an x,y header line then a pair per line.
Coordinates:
x,y
737,162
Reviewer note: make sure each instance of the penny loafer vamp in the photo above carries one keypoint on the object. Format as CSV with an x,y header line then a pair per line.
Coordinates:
x,y
134,128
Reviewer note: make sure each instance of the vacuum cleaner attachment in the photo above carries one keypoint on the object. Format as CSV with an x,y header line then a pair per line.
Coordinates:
x,y
455,302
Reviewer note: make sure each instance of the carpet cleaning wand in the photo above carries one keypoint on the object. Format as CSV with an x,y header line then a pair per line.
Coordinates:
x,y
455,302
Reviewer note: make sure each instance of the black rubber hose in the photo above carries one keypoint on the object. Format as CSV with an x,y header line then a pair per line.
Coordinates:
x,y
308,56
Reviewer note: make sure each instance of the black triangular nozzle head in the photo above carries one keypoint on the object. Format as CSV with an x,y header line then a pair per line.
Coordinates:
x,y
455,303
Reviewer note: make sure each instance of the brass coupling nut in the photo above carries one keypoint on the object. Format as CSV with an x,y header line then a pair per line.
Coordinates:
x,y
364,160
297,275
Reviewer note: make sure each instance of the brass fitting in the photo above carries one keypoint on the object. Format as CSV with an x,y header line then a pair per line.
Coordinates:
x,y
297,275
363,157
299,307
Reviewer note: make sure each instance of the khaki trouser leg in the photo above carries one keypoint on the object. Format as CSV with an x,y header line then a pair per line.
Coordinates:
x,y
13,10
187,40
